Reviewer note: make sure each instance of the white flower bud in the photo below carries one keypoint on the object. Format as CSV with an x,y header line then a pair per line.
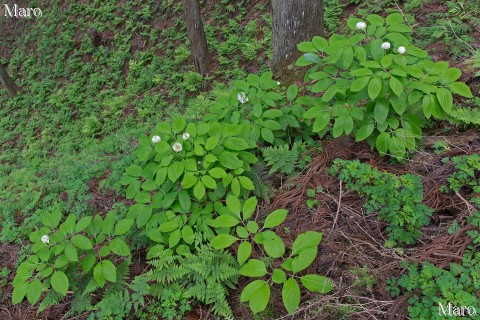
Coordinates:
x,y
402,50
278,82
386,45
361,25
45,239
156,139
177,147
186,136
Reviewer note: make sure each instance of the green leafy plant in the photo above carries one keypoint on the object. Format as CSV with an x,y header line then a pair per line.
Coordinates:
x,y
284,268
377,85
85,246
205,163
312,201
466,175
253,102
397,199
204,276
281,159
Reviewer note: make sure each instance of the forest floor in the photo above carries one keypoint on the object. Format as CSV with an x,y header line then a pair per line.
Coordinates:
x,y
70,143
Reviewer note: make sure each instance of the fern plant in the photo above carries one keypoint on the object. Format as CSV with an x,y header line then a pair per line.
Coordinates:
x,y
204,276
281,159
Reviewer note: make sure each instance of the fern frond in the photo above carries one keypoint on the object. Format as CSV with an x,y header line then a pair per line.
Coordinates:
x,y
281,159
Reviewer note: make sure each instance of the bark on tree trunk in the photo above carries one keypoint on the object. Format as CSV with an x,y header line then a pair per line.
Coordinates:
x,y
196,34
294,21
12,88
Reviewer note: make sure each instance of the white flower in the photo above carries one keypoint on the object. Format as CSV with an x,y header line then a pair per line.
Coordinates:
x,y
156,139
242,97
186,136
177,147
386,45
45,239
402,50
278,82
361,25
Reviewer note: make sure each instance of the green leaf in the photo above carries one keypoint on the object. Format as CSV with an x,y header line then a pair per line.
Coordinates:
x,y
317,283
187,234
249,207
461,89
88,262
306,240
59,282
305,258
134,171
178,124
361,72
224,221
347,57
82,242
394,18
246,182
321,122
252,226
199,190
279,276
71,253
209,182
235,186
184,200
275,218
445,99
291,295
244,251
223,241
380,113
330,93
364,132
342,124
175,170
189,180
217,173
229,160
359,83
267,135
374,87
19,292
427,105
82,224
174,238
211,143
396,86
273,244
452,74
382,142
237,144
34,292
144,216
292,92
168,226
109,271
123,226
234,205
257,293
254,268
119,247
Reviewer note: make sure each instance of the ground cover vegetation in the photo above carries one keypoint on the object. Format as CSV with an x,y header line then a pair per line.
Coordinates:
x,y
134,188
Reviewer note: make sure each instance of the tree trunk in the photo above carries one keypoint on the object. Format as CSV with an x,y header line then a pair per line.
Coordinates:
x,y
12,88
294,21
196,34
